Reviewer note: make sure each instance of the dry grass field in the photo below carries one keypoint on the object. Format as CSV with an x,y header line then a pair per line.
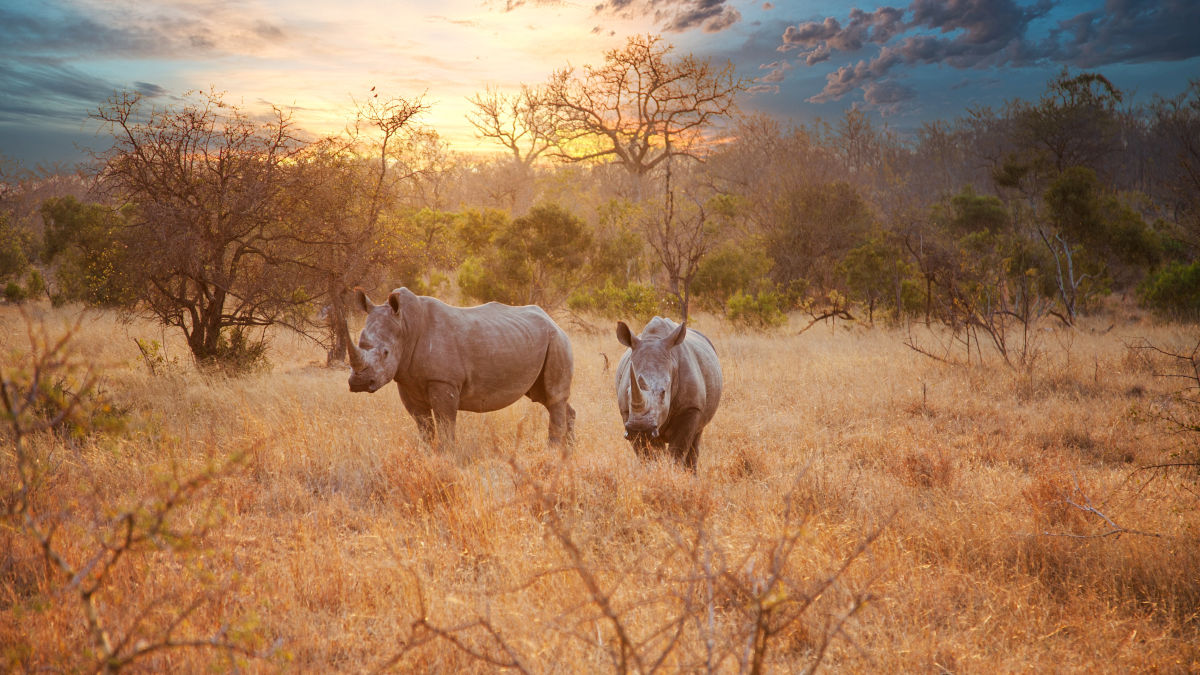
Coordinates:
x,y
858,506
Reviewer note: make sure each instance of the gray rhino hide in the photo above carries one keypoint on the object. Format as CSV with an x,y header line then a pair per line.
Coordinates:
x,y
695,382
445,359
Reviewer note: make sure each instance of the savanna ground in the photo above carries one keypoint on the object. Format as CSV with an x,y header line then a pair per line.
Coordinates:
x,y
856,503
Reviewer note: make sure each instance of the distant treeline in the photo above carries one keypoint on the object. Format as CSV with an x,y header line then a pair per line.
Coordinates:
x,y
622,196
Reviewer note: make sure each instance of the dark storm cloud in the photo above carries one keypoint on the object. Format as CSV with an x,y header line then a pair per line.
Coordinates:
x,y
711,15
1130,31
966,34
149,89
49,50
676,16
170,31
39,90
66,32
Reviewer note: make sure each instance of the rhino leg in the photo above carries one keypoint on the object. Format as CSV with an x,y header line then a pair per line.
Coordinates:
x,y
693,454
562,424
685,437
422,415
553,388
443,399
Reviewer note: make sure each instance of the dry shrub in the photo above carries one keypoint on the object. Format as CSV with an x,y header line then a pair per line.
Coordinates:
x,y
672,493
743,461
1047,496
925,468
420,481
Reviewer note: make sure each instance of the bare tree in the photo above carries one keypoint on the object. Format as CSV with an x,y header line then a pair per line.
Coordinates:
x,y
345,188
205,182
1176,130
857,141
521,122
680,231
640,108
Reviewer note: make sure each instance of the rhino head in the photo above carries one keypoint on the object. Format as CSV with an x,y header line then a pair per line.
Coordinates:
x,y
651,372
376,357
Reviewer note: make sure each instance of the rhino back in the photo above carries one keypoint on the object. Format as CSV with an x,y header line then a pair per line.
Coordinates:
x,y
493,352
698,380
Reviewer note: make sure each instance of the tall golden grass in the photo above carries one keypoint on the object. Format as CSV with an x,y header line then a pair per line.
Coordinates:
x,y
857,506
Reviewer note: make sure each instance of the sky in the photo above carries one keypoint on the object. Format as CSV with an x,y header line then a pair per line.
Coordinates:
x,y
902,63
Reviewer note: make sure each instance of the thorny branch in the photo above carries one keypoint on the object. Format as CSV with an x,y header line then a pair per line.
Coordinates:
x,y
24,394
700,588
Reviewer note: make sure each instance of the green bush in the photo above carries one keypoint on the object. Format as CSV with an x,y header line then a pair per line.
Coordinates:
x,y
236,354
878,277
477,282
13,292
633,300
13,244
533,259
84,240
1174,291
728,270
759,311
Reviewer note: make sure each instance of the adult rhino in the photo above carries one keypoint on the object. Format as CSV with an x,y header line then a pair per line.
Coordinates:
x,y
668,387
445,359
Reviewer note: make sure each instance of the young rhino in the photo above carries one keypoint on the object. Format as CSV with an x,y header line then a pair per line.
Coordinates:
x,y
668,387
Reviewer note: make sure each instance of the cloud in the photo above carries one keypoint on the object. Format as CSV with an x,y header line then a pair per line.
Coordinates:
x,y
676,16
510,5
1128,31
164,30
48,90
778,71
864,27
149,89
269,31
979,33
466,23
762,89
887,96
975,34
54,30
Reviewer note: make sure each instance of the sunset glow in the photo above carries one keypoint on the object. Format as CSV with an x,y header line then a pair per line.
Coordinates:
x,y
803,60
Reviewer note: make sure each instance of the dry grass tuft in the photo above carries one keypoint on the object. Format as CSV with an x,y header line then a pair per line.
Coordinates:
x,y
1051,497
924,468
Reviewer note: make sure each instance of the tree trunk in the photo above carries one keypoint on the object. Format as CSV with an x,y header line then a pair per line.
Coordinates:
x,y
335,316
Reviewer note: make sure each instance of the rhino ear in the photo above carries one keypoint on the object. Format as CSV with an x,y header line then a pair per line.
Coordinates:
x,y
361,300
677,337
624,336
394,302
